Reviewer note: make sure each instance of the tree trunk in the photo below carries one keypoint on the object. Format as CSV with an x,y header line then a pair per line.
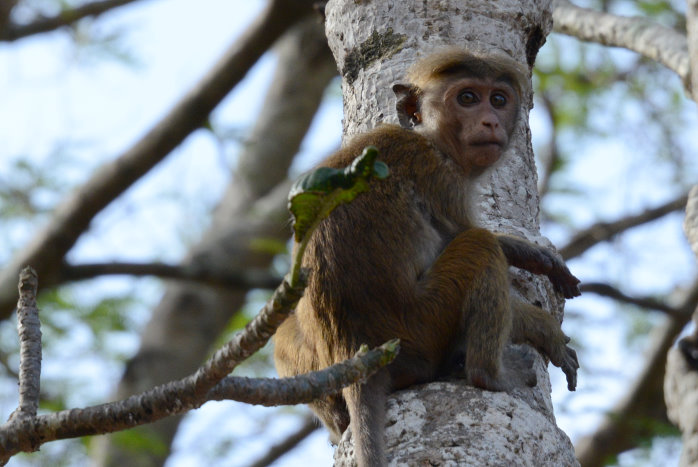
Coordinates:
x,y
374,43
681,378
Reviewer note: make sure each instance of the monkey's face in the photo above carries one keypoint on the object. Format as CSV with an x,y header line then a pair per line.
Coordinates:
x,y
471,119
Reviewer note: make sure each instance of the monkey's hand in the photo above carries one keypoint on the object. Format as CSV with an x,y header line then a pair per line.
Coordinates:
x,y
565,358
560,276
538,260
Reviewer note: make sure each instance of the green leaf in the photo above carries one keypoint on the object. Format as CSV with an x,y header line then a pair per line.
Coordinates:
x,y
317,193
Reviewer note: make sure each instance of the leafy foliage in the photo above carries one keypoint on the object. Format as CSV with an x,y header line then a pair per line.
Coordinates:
x,y
317,193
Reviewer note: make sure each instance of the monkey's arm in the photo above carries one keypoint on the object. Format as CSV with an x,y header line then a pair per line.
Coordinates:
x,y
538,260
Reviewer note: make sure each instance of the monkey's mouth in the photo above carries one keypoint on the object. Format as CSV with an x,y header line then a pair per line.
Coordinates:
x,y
487,144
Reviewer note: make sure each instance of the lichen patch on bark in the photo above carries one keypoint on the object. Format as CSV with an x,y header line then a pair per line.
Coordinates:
x,y
376,47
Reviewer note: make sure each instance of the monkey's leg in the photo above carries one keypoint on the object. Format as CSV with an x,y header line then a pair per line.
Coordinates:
x,y
366,403
468,284
487,324
538,260
332,412
532,325
293,355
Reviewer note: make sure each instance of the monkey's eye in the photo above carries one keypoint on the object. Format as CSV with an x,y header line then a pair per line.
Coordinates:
x,y
498,100
467,98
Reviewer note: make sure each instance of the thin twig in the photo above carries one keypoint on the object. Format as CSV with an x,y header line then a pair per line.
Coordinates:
x,y
159,402
29,330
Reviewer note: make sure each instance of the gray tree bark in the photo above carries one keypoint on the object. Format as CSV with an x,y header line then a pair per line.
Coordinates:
x,y
374,43
681,378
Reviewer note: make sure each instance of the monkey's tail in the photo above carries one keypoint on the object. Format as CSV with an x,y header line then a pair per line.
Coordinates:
x,y
366,404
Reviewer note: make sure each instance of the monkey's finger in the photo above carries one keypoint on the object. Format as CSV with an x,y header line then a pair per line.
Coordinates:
x,y
572,355
560,287
570,370
564,281
572,291
571,380
567,289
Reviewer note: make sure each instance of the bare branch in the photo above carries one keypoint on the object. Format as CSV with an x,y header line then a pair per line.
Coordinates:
x,y
309,426
690,223
304,388
626,425
73,217
245,343
252,208
692,33
183,395
604,231
5,9
607,290
64,18
29,330
159,402
195,272
651,40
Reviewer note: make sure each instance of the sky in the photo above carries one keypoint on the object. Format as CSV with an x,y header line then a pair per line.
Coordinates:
x,y
54,95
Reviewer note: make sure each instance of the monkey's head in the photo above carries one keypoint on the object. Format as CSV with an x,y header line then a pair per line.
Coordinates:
x,y
466,104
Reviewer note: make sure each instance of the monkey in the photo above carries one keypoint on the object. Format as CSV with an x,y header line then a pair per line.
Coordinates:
x,y
405,259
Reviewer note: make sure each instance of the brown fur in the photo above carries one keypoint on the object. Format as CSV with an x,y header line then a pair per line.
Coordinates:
x,y
404,260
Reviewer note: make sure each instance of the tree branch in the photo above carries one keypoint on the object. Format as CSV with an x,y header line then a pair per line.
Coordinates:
x,y
194,272
309,426
604,231
643,302
29,330
692,34
651,40
159,402
626,425
173,344
5,9
191,392
72,218
305,388
64,18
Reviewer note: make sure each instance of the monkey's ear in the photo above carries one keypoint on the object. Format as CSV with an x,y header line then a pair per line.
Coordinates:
x,y
407,105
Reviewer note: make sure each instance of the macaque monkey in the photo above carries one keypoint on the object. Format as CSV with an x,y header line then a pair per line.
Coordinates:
x,y
405,260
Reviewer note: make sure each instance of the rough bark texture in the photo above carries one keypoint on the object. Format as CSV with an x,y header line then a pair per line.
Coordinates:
x,y
681,396
681,378
189,318
374,43
459,425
